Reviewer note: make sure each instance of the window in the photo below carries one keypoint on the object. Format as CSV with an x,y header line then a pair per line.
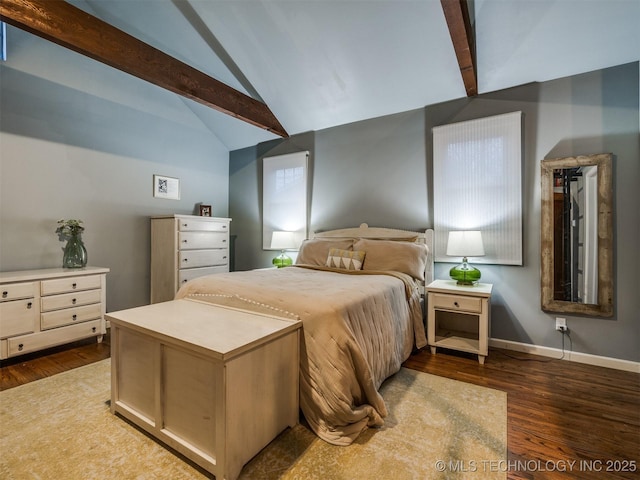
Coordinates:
x,y
284,196
477,185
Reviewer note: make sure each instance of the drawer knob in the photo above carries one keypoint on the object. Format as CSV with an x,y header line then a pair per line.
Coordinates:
x,y
185,224
20,347
29,305
74,317
74,301
185,260
74,285
224,241
184,241
93,329
5,294
456,304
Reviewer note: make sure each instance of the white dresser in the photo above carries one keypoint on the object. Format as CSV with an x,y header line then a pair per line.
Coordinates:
x,y
184,247
48,307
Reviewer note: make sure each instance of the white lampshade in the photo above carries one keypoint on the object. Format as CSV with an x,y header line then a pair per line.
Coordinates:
x,y
465,244
283,240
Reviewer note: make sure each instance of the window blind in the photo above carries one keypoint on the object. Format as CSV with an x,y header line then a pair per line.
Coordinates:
x,y
284,202
477,185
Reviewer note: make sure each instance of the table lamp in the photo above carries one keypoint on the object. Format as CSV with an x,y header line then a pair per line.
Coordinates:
x,y
465,244
283,241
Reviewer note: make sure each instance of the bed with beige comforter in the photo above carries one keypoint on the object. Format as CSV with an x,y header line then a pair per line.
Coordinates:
x,y
358,328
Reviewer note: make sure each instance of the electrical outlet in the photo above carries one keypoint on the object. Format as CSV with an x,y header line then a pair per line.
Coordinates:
x,y
561,324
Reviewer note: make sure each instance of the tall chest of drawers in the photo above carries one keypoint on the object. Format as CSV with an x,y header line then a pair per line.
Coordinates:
x,y
184,247
48,307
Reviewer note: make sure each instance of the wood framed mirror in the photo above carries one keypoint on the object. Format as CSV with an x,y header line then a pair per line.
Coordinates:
x,y
577,235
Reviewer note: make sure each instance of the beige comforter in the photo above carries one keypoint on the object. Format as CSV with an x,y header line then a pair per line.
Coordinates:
x,y
358,329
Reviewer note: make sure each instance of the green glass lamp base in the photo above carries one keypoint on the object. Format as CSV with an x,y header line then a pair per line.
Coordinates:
x,y
282,260
465,274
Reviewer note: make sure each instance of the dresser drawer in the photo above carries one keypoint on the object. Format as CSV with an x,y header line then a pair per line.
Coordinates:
x,y
455,302
202,258
38,341
69,316
13,291
18,317
190,273
185,224
200,240
68,300
70,284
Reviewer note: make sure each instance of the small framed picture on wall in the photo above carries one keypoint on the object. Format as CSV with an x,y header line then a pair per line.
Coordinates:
x,y
205,210
166,187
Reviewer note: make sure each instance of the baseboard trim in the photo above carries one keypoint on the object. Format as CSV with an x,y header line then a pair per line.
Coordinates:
x,y
578,357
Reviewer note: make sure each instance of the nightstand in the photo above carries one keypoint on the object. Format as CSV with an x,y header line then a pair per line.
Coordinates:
x,y
458,317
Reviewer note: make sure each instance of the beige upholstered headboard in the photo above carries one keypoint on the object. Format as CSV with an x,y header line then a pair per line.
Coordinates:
x,y
379,233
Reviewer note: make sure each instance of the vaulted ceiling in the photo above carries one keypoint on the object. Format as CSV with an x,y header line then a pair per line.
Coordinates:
x,y
315,64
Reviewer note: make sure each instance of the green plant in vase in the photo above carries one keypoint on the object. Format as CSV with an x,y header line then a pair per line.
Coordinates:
x,y
75,253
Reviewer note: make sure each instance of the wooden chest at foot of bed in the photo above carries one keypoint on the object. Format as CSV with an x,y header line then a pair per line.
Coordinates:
x,y
216,384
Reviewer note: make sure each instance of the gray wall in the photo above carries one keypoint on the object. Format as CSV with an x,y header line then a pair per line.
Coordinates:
x,y
378,171
81,140
67,153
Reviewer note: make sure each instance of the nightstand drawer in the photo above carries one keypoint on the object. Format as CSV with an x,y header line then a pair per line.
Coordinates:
x,y
456,302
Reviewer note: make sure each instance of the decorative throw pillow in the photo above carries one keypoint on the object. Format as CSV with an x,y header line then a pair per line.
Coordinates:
x,y
315,251
345,259
406,257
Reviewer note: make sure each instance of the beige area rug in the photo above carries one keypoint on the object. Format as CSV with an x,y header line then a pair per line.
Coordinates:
x,y
61,428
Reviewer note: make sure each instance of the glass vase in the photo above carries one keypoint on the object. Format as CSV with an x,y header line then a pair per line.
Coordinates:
x,y
75,254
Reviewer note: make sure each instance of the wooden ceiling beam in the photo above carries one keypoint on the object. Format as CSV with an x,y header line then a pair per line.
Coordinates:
x,y
456,13
70,27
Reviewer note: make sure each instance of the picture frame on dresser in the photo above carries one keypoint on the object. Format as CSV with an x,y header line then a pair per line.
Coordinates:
x,y
205,211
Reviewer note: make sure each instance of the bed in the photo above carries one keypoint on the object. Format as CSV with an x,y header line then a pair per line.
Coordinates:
x,y
359,293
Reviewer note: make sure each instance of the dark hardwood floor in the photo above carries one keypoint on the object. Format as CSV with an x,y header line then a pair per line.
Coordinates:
x,y
565,420
28,368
